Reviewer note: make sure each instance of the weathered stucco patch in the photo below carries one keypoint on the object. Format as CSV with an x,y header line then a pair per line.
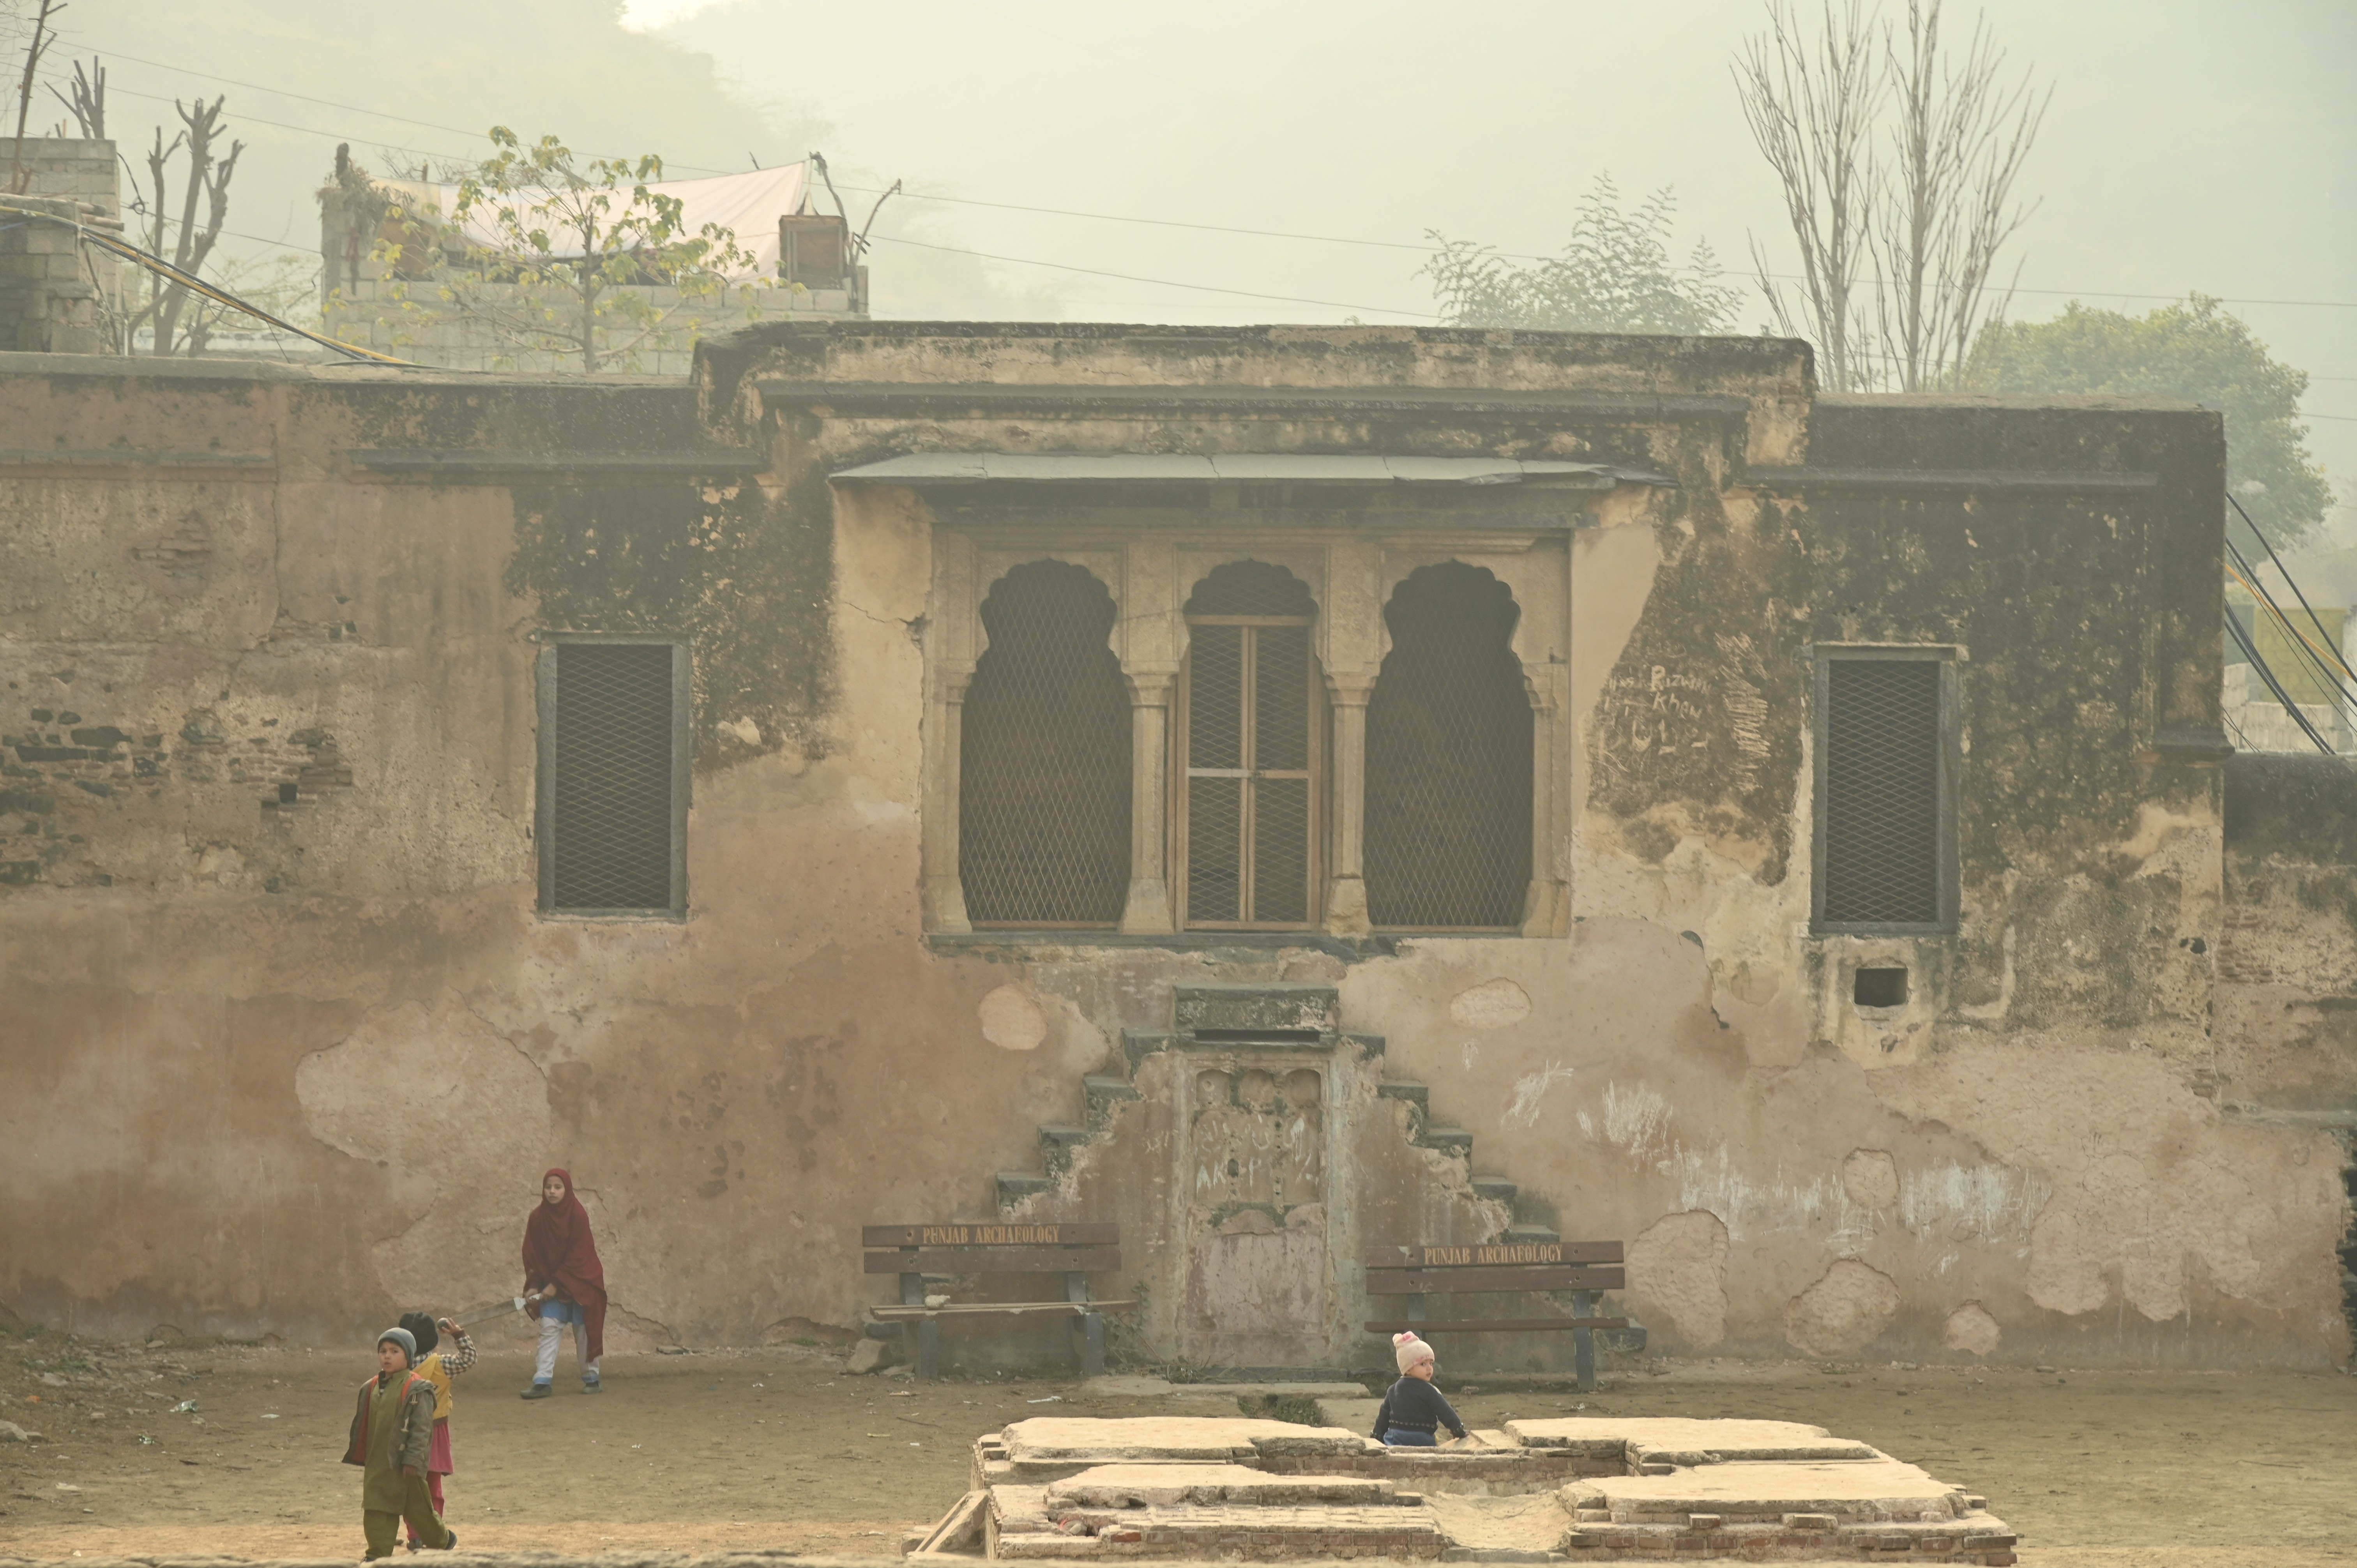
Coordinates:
x,y
1870,1177
1492,1004
1972,1330
1844,1311
1679,1265
1011,1020
2145,1182
440,1097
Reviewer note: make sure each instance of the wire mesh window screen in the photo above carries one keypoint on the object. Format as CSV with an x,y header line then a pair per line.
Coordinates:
x,y
610,808
1252,738
1448,758
1044,762
1879,819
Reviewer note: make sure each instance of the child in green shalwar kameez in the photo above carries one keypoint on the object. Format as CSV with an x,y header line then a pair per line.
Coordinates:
x,y
393,1434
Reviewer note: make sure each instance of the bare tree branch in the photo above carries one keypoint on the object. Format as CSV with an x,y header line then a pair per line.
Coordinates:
x,y
1945,208
18,176
1811,108
208,178
88,105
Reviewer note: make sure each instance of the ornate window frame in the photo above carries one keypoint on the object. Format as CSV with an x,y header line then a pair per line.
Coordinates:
x,y
1149,558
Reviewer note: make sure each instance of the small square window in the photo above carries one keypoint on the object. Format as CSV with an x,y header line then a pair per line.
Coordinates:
x,y
1879,988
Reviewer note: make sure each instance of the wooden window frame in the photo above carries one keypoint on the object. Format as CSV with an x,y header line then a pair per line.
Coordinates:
x,y
1315,773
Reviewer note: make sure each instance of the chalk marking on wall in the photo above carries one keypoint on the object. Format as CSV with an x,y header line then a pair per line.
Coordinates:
x,y
1707,1178
1961,1202
1522,1111
1746,708
1636,1120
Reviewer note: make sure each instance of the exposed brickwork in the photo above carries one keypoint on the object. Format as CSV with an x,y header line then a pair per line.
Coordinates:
x,y
56,295
67,777
1435,1470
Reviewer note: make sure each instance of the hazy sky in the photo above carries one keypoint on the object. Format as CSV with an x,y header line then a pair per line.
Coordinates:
x,y
2191,146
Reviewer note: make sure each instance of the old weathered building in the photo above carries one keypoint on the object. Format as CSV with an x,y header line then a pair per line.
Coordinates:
x,y
1286,789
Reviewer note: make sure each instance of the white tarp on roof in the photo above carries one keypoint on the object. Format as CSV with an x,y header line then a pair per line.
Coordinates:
x,y
750,204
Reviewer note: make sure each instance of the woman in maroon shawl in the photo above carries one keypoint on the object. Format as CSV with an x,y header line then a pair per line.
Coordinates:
x,y
564,1282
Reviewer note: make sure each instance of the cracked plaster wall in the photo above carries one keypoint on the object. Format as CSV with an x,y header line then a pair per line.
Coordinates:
x,y
2031,1160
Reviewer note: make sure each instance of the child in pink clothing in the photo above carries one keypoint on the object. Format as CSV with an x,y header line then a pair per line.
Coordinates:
x,y
438,1368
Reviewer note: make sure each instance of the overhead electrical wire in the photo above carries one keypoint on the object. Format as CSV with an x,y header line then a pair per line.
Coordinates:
x,y
1166,283
2319,659
2311,663
1049,211
2268,546
2250,652
197,286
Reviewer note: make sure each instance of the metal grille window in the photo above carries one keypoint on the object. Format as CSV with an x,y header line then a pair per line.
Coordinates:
x,y
1251,739
613,777
1448,758
1885,853
1044,757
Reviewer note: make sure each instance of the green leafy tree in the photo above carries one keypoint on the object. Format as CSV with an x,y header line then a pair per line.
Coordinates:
x,y
574,259
1615,275
2191,349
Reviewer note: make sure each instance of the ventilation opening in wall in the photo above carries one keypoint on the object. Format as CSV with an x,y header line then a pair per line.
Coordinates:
x,y
613,759
1879,988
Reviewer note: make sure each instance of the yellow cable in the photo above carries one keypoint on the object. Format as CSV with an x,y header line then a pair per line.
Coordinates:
x,y
194,285
2285,621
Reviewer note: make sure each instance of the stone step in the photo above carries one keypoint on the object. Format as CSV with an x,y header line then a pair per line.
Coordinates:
x,y
1137,1045
1101,1093
1414,1093
1057,1142
1014,1187
1497,1189
1451,1140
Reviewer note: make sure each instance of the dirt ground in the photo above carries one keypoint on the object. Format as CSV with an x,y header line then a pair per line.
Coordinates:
x,y
232,1450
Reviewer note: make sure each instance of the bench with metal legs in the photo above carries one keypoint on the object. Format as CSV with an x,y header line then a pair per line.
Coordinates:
x,y
1582,1268
960,1247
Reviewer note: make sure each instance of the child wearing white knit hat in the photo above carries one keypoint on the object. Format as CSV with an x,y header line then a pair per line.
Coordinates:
x,y
1412,1410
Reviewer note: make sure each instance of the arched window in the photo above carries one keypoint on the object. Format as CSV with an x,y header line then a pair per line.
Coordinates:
x,y
1044,758
1448,758
1250,754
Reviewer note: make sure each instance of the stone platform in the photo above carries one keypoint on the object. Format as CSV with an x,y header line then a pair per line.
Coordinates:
x,y
1172,1488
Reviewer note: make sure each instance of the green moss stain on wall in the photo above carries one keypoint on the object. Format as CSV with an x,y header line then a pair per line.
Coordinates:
x,y
742,576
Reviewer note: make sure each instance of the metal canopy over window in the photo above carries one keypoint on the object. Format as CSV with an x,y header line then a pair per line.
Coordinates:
x,y
1044,779
1885,853
613,777
1252,738
1448,758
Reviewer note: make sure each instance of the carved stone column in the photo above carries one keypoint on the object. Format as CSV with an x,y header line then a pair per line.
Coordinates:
x,y
1148,909
944,897
1346,882
1545,904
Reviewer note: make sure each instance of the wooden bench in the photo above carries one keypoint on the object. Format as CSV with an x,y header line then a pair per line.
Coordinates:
x,y
960,1247
1583,1268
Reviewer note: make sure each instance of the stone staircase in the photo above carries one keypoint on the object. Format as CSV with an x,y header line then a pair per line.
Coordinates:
x,y
1103,1093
